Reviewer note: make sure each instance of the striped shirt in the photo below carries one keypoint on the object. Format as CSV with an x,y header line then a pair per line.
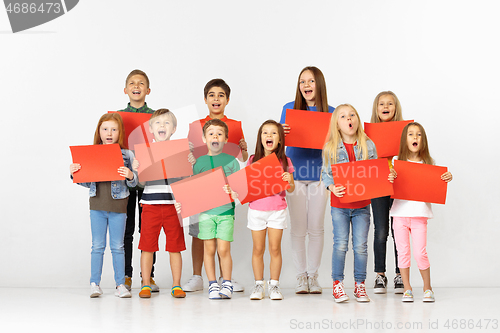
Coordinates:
x,y
159,192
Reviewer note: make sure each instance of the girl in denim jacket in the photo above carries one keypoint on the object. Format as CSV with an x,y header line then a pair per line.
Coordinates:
x,y
347,142
108,207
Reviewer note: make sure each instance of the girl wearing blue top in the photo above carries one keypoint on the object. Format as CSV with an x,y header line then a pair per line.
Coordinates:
x,y
108,207
307,203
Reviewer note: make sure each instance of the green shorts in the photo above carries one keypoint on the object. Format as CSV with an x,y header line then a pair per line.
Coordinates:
x,y
216,226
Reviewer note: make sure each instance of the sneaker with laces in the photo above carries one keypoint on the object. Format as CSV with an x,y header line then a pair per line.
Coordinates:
x,y
226,289
275,291
145,292
407,296
195,283
302,286
314,287
122,292
380,286
429,296
236,286
213,291
154,287
399,287
128,283
95,290
338,292
360,292
258,292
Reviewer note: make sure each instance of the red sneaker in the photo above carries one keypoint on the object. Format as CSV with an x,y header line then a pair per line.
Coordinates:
x,y
360,292
339,292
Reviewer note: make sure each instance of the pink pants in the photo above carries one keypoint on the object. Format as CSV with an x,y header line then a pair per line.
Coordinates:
x,y
417,227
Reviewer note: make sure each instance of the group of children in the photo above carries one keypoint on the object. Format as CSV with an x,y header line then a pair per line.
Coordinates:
x,y
212,230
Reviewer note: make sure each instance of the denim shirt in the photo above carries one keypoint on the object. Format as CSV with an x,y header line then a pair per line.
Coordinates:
x,y
343,157
119,188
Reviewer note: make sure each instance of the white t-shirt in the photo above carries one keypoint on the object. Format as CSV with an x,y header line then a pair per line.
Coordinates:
x,y
406,208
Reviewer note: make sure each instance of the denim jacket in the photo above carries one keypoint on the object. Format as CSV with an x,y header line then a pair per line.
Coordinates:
x,y
119,188
343,157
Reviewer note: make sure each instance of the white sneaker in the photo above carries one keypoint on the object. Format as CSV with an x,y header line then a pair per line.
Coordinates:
x,y
275,291
95,290
302,287
213,291
258,290
314,287
195,283
226,289
122,292
236,286
429,296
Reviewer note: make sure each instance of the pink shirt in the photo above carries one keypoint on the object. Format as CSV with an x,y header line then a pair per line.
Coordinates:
x,y
273,202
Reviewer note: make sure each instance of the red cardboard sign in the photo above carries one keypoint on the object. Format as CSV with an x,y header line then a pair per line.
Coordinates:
x,y
363,179
419,182
308,129
386,136
99,163
201,192
258,180
136,128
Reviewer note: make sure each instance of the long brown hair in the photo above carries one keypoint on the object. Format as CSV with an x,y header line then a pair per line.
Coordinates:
x,y
423,153
279,151
111,117
320,98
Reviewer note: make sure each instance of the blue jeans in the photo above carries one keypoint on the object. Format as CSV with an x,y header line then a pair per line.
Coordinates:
x,y
342,218
99,223
380,209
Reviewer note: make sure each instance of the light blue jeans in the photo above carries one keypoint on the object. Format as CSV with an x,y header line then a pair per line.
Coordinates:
x,y
99,223
342,218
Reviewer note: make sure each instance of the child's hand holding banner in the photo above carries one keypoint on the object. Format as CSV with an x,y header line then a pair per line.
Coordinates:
x,y
99,163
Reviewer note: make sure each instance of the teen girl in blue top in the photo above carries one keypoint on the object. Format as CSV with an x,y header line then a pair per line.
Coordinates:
x,y
108,207
308,202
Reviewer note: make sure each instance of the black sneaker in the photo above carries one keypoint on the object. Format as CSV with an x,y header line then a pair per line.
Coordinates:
x,y
399,287
380,284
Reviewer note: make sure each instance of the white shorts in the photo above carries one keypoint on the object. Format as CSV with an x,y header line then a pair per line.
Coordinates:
x,y
260,220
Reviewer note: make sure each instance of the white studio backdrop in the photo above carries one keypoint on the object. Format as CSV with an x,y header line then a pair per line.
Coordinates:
x,y
439,57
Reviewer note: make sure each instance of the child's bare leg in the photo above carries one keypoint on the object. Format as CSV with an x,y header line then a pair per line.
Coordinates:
x,y
426,276
259,246
176,267
146,265
405,274
197,255
226,262
208,258
275,252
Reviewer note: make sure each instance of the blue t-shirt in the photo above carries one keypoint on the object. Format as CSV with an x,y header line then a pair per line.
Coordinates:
x,y
306,161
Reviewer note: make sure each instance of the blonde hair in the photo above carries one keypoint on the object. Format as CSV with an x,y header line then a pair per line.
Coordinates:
x,y
398,114
334,138
160,112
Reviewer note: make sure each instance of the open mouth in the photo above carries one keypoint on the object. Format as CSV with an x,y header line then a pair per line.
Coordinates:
x,y
307,92
162,133
269,143
414,144
215,144
350,125
109,140
136,92
385,112
216,105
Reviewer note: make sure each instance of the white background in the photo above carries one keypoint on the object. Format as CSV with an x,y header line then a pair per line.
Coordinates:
x,y
441,58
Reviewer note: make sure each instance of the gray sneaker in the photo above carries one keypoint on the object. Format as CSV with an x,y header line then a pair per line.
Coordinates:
x,y
275,291
314,287
380,286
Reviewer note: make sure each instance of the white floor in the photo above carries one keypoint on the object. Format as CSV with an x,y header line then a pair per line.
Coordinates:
x,y
71,310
